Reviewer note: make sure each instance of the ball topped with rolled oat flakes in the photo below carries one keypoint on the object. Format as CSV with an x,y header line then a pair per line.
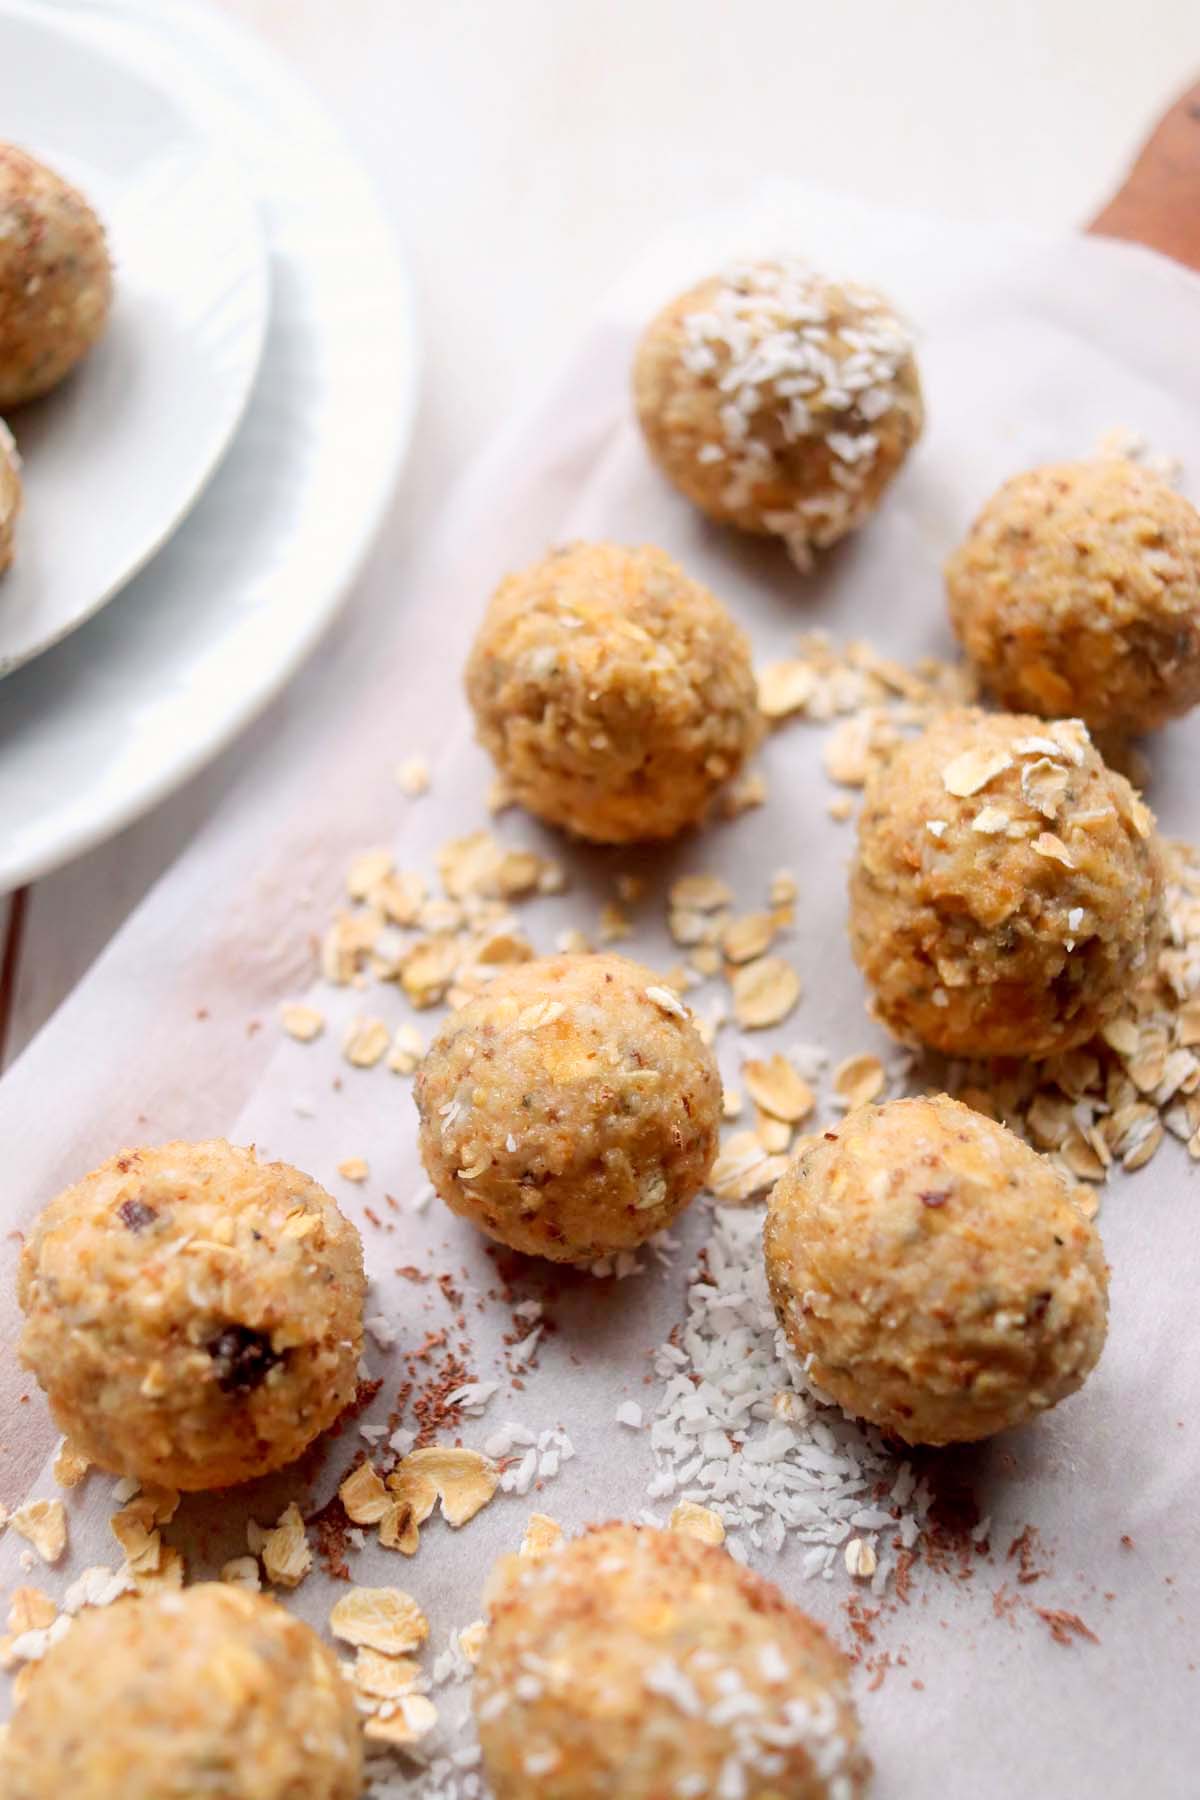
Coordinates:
x,y
210,1691
194,1315
614,693
1005,898
645,1663
779,401
1077,591
933,1273
572,1110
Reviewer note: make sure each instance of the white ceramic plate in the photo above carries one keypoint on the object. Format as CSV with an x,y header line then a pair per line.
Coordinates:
x,y
99,728
116,455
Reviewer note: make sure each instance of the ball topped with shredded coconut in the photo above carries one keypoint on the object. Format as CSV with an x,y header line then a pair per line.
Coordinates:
x,y
779,401
1077,591
10,494
933,1273
1006,894
572,1110
644,1663
55,277
210,1691
615,694
194,1315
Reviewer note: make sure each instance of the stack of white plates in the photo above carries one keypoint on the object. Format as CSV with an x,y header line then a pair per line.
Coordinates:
x,y
199,494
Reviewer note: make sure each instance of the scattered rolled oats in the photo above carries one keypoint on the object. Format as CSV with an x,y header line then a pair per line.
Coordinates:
x,y
304,1023
744,939
366,1042
168,1575
471,1640
411,1717
858,1080
777,1087
408,1048
775,1135
413,776
463,1480
743,1168
354,1168
43,1523
697,1522
385,1619
364,1496
542,1534
764,992
383,1677
700,893
860,1559
785,688
242,1571
30,1610
286,1552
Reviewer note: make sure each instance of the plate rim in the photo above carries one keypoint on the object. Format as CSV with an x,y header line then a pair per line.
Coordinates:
x,y
270,74
256,272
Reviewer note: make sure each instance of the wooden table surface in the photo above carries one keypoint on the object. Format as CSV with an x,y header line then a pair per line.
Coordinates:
x,y
520,180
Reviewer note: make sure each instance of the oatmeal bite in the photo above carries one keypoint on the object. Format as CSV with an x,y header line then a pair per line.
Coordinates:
x,y
10,494
933,1273
1077,591
614,694
55,277
1006,894
779,401
212,1691
193,1315
570,1111
644,1663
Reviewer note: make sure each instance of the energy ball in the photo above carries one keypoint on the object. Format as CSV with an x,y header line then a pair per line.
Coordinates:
x,y
643,1663
572,1110
933,1272
55,277
1077,591
10,494
1006,895
779,401
194,1315
213,1691
614,694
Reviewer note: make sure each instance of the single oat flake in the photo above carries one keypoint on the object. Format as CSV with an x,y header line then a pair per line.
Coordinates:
x,y
969,773
542,1534
698,1522
354,1168
385,1619
463,1479
412,1717
383,1677
364,1496
858,1080
764,992
777,1087
304,1023
44,1524
286,1553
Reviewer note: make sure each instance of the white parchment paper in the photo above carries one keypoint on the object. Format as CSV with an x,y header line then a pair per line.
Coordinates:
x,y
1031,349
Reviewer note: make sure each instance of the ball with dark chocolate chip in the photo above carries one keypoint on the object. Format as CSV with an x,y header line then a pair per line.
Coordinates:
x,y
194,1315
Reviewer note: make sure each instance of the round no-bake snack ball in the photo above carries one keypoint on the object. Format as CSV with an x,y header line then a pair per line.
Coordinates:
x,y
614,694
1006,894
1077,591
194,1315
643,1663
10,494
933,1272
213,1691
572,1110
779,401
55,277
